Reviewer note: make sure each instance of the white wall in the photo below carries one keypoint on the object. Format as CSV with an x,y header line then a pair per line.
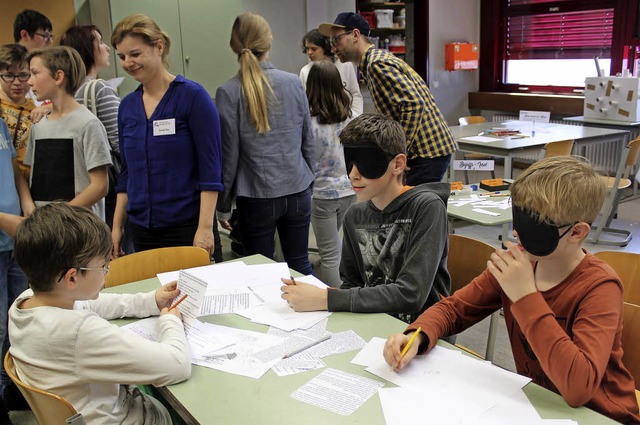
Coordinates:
x,y
451,21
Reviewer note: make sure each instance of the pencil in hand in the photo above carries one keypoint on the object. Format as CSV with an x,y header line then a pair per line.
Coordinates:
x,y
293,281
182,298
406,347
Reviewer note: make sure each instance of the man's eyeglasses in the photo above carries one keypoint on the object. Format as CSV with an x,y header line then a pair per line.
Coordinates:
x,y
104,270
45,36
336,39
9,78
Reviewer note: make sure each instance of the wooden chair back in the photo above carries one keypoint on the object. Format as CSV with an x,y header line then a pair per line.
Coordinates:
x,y
471,119
627,266
146,264
48,408
632,158
559,148
630,340
467,259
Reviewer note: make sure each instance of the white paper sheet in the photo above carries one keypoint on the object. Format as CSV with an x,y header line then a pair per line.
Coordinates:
x,y
482,139
225,303
450,375
337,391
241,359
194,288
371,353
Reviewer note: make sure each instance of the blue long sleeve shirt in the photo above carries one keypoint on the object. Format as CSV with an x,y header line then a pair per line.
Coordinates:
x,y
163,174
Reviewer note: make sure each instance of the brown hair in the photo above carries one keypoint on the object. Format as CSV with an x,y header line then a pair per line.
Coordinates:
x,y
12,54
563,189
82,38
65,59
57,237
375,128
250,39
144,27
329,100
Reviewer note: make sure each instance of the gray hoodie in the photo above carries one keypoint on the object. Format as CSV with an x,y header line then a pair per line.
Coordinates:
x,y
395,261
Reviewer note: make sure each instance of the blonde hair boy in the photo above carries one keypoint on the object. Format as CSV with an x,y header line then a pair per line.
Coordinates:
x,y
563,306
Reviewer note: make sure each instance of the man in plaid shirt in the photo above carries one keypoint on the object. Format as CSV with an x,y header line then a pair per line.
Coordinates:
x,y
399,92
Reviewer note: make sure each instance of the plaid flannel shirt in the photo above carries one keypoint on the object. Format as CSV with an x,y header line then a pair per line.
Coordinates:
x,y
399,92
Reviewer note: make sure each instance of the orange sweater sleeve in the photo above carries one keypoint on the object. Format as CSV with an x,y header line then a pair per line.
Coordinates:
x,y
575,364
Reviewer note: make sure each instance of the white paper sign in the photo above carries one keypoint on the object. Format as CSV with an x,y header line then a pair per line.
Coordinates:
x,y
535,116
476,164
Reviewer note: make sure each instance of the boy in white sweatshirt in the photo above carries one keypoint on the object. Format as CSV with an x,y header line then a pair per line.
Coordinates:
x,y
61,339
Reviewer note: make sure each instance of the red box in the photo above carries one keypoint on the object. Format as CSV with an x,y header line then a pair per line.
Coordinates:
x,y
459,56
370,17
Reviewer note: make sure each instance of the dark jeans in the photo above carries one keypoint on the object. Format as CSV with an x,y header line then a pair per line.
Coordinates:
x,y
179,235
427,170
259,218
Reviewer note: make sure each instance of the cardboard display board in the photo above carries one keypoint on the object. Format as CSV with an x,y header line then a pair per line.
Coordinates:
x,y
612,98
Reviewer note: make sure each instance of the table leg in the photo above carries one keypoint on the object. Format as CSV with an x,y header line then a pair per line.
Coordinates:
x,y
507,167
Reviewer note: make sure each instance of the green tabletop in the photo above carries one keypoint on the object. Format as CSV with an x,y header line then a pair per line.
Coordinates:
x,y
214,397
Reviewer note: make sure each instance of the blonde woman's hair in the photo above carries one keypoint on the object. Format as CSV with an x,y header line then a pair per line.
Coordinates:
x,y
250,39
65,59
145,28
563,189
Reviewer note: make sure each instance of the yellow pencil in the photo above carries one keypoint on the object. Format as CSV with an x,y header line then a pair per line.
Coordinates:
x,y
406,347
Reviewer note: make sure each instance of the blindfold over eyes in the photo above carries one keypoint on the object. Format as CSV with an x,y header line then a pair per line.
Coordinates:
x,y
372,162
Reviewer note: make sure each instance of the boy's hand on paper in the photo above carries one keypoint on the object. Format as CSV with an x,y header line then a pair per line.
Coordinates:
x,y
166,294
513,271
393,348
303,297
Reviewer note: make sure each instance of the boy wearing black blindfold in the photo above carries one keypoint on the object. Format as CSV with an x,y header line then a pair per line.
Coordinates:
x,y
562,305
395,242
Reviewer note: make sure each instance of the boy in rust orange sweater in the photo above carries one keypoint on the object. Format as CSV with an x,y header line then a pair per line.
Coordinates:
x,y
562,305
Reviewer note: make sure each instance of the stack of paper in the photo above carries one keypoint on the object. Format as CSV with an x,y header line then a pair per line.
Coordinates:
x,y
450,388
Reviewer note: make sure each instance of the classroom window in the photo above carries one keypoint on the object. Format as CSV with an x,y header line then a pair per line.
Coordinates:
x,y
549,45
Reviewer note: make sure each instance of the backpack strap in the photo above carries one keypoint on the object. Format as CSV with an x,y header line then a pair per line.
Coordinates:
x,y
90,90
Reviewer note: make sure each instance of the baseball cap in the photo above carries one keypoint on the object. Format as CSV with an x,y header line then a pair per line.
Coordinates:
x,y
348,21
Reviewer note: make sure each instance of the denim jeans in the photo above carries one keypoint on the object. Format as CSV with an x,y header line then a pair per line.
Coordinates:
x,y
290,215
326,220
12,283
427,170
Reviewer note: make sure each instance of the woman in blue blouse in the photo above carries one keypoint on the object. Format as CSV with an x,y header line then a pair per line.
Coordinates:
x,y
169,133
268,148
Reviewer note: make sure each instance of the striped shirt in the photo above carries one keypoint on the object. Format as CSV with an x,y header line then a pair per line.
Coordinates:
x,y
399,92
107,103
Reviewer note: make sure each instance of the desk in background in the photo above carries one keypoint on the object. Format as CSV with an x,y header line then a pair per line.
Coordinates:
x,y
214,397
508,147
466,213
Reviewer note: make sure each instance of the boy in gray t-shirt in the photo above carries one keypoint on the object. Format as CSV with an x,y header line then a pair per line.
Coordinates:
x,y
68,150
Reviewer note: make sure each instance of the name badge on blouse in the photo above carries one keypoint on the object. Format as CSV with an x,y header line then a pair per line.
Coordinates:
x,y
164,127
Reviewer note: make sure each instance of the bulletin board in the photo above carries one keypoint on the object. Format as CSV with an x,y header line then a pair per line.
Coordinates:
x,y
61,13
